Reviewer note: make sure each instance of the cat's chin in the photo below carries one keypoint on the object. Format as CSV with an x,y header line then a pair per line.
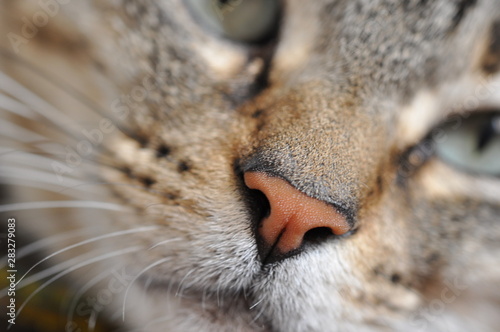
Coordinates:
x,y
194,308
201,294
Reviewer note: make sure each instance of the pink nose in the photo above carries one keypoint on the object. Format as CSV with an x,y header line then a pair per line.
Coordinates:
x,y
293,213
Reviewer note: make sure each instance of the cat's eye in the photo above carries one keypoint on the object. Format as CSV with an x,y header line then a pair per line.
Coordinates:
x,y
241,20
471,144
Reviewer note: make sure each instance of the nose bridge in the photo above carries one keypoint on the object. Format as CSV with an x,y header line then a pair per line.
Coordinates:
x,y
324,144
315,160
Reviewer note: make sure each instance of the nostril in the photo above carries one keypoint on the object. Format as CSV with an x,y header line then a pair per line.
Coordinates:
x,y
317,235
261,208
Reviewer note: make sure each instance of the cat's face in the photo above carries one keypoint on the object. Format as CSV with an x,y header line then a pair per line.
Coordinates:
x,y
382,109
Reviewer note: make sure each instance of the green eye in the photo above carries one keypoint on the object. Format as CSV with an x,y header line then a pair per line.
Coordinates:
x,y
242,20
472,145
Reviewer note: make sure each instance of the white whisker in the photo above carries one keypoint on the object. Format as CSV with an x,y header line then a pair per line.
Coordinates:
x,y
43,186
17,133
76,267
103,183
13,106
203,300
38,245
37,104
161,261
219,301
33,160
92,321
257,316
64,204
164,242
27,174
13,151
53,269
87,286
179,289
95,239
255,304
76,94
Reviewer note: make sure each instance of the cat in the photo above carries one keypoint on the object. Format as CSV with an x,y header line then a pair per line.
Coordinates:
x,y
255,165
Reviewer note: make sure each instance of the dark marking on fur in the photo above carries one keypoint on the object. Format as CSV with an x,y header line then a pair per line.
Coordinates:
x,y
491,60
183,166
147,181
380,184
163,151
127,171
68,42
171,196
257,113
142,140
413,159
377,188
463,7
395,278
432,258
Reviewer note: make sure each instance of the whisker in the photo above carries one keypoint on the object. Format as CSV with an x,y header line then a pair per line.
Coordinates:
x,y
15,107
59,119
75,191
80,191
219,300
40,186
34,160
37,245
76,267
115,184
88,167
87,162
87,286
95,239
179,289
63,205
164,242
255,304
129,185
92,321
161,261
34,145
22,174
19,134
257,316
56,118
77,95
26,174
50,271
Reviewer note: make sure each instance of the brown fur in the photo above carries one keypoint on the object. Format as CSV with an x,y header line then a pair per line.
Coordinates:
x,y
328,106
